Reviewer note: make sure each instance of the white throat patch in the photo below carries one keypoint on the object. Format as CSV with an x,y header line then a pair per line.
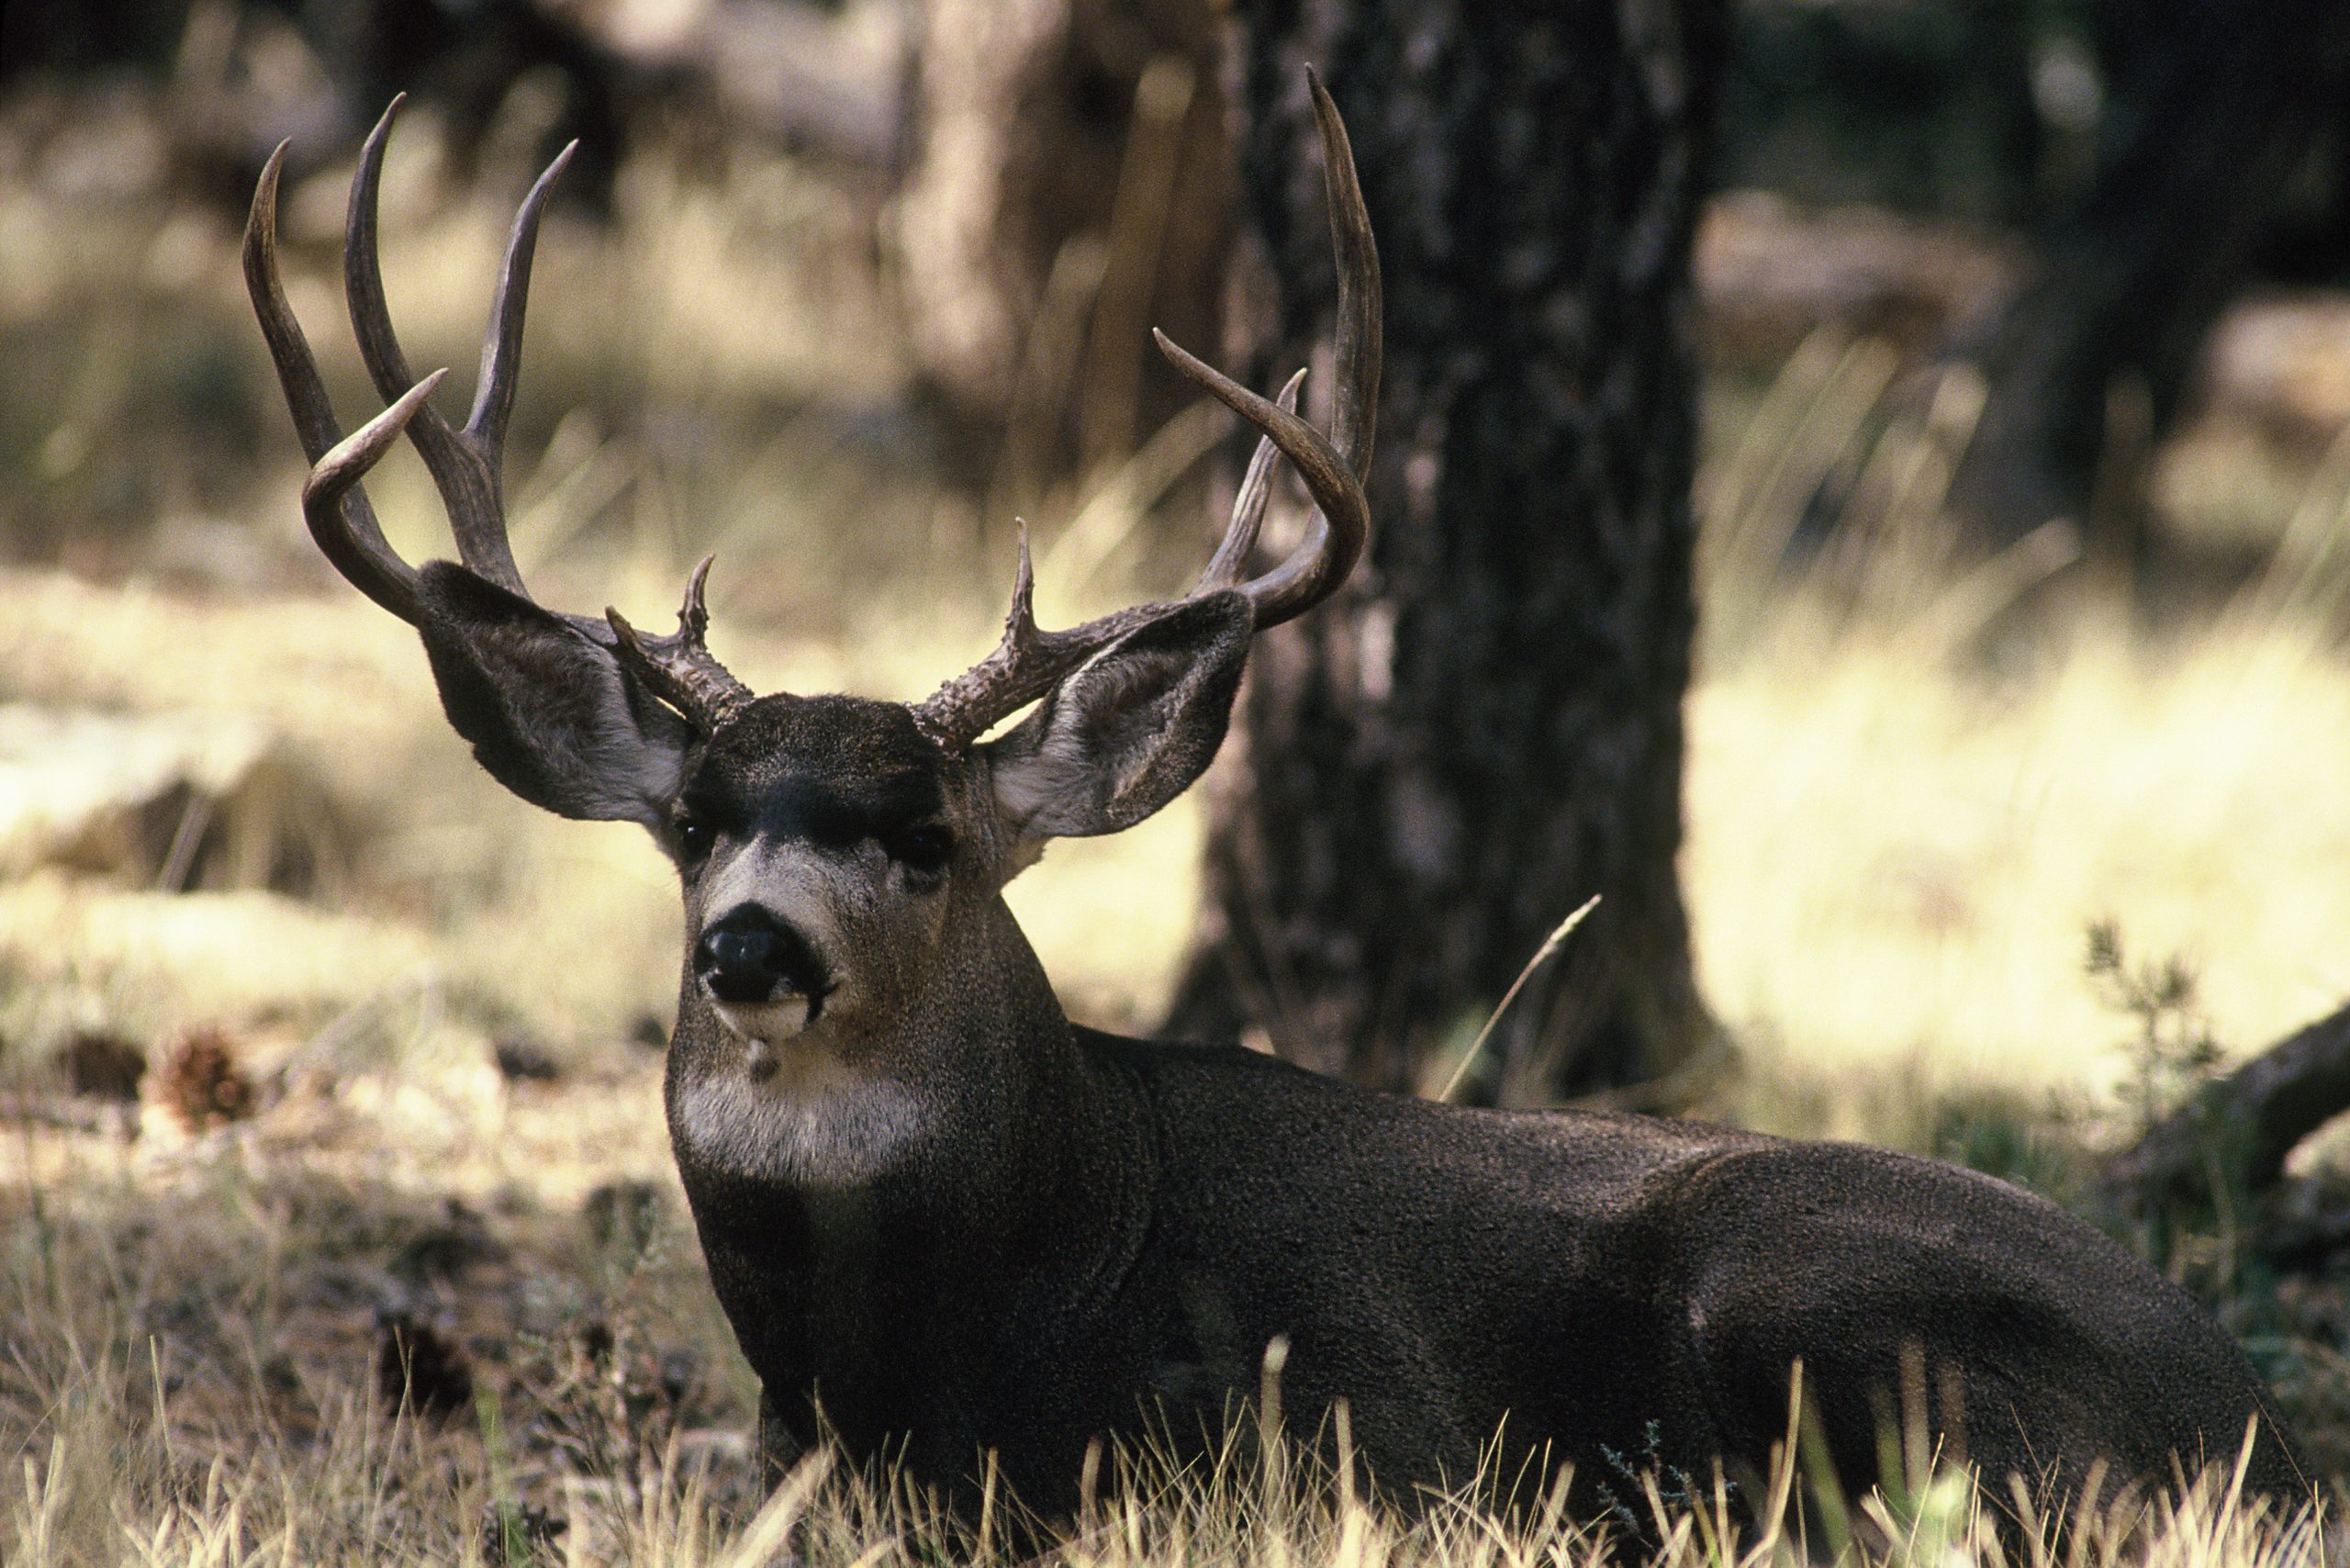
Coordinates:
x,y
843,1133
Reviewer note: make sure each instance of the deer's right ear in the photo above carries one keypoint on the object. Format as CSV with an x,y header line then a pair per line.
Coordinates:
x,y
550,713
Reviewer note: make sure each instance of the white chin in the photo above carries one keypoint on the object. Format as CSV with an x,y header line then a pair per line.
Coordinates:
x,y
766,1023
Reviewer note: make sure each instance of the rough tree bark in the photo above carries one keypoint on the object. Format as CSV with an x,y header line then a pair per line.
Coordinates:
x,y
1486,729
2211,111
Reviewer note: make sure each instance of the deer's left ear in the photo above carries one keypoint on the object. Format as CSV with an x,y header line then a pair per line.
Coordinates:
x,y
1130,728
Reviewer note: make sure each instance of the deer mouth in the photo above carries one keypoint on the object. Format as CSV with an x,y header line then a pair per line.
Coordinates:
x,y
775,1019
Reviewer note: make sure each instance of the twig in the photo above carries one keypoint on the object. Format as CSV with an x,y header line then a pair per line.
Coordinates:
x,y
1550,945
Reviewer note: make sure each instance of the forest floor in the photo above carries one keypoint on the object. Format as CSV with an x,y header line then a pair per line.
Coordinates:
x,y
401,1107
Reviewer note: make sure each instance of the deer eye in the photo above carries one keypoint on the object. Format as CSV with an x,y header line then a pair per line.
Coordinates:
x,y
694,838
920,848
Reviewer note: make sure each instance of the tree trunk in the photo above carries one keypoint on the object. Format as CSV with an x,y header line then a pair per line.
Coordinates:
x,y
2212,111
1065,193
1433,769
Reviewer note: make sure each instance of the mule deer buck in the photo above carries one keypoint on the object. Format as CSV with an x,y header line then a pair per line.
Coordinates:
x,y
948,1222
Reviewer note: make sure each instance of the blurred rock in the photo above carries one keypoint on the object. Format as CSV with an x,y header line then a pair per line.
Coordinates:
x,y
1770,273
419,1368
100,1066
2283,360
446,1248
522,1060
178,800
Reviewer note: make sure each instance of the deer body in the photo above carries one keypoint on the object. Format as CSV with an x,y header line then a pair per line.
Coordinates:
x,y
949,1222
1569,1283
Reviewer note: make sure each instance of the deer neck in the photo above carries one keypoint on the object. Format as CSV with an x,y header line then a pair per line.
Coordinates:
x,y
972,1104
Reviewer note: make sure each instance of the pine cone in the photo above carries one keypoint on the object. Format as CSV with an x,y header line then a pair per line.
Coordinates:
x,y
200,1082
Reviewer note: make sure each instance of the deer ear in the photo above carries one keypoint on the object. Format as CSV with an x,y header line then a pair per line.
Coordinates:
x,y
1128,730
550,713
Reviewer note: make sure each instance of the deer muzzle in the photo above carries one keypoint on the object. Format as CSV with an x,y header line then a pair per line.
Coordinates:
x,y
762,978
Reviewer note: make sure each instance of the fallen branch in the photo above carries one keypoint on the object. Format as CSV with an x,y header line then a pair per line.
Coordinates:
x,y
2260,1111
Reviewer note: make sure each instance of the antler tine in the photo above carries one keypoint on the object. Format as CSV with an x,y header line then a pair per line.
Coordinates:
x,y
1333,469
1231,558
1358,349
679,668
1335,536
1011,677
501,344
1029,663
338,515
464,464
337,474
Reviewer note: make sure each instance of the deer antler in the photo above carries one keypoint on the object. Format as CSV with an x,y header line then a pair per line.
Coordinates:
x,y
1029,663
465,462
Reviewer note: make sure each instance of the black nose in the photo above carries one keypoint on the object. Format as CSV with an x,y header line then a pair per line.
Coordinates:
x,y
747,955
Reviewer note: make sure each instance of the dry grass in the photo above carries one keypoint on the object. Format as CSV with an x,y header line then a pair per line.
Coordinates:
x,y
206,1386
1912,785
1915,781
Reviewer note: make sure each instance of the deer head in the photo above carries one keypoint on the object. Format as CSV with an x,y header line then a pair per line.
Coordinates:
x,y
842,859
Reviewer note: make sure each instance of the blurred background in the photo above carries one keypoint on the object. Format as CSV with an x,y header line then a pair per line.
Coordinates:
x,y
1862,486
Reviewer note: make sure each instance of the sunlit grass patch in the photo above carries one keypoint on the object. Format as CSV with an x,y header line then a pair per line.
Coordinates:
x,y
1886,856
1917,777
